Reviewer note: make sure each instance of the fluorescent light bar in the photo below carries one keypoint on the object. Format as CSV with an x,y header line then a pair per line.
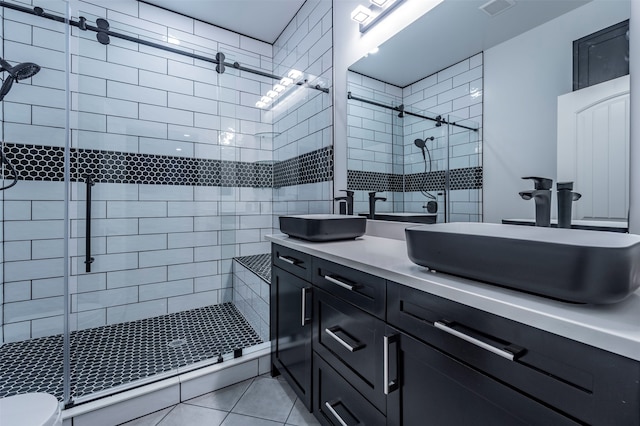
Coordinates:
x,y
286,81
279,88
272,94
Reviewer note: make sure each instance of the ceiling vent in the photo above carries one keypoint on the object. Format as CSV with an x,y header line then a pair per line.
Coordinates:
x,y
495,7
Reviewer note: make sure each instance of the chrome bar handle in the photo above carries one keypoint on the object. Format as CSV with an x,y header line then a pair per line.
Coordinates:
x,y
305,320
333,335
338,282
389,386
444,327
335,413
286,259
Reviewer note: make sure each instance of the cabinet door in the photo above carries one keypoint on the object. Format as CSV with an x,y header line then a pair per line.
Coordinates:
x,y
435,389
291,328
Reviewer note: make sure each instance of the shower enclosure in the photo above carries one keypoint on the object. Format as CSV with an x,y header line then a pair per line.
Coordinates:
x,y
423,162
145,166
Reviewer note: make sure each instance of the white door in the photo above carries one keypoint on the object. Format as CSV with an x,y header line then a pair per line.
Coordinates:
x,y
593,148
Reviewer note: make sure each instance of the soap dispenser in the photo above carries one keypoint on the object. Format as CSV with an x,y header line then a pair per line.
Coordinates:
x,y
566,197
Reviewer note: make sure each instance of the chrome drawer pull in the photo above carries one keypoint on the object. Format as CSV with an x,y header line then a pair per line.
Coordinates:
x,y
286,259
334,412
331,332
338,282
389,385
444,327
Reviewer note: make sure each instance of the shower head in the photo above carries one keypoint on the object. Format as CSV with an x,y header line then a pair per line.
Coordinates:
x,y
16,73
420,143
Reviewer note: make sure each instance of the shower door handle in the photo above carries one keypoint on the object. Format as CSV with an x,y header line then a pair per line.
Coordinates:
x,y
87,235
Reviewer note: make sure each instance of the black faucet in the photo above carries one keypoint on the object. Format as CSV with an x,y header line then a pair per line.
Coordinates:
x,y
372,204
349,201
566,197
541,194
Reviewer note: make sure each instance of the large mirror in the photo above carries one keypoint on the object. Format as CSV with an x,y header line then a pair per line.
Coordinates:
x,y
459,106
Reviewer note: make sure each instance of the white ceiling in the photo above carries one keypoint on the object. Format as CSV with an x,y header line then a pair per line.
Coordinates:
x,y
451,32
261,19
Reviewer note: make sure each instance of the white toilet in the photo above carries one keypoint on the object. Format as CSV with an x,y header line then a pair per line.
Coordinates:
x,y
30,409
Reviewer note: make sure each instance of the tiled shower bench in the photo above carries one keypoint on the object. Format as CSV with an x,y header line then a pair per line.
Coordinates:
x,y
251,282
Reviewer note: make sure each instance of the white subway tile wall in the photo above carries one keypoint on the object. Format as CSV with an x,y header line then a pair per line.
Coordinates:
x,y
158,248
303,120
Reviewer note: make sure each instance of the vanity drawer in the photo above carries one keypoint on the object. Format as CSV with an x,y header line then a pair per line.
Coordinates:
x,y
292,261
337,402
586,383
363,290
352,342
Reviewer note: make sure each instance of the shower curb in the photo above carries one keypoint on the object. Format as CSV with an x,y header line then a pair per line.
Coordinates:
x,y
133,403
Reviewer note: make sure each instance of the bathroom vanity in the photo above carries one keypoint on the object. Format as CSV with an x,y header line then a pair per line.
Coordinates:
x,y
364,336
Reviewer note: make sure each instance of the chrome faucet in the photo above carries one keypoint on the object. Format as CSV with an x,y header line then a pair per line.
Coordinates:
x,y
541,195
349,201
372,204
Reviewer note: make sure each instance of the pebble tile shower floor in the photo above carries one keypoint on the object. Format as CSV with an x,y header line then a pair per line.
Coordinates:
x,y
112,355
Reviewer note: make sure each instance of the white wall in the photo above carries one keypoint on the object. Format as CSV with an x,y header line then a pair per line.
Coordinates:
x,y
522,79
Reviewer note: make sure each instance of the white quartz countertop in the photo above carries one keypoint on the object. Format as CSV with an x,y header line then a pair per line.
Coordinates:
x,y
615,327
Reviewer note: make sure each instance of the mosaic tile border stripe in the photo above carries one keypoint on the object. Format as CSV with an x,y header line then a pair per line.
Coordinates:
x,y
464,178
46,163
316,166
374,181
108,356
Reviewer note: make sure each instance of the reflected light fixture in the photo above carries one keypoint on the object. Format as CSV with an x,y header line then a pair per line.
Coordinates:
x,y
367,17
294,74
361,14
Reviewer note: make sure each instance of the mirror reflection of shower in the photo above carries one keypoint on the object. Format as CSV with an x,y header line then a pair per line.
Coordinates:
x,y
432,206
15,74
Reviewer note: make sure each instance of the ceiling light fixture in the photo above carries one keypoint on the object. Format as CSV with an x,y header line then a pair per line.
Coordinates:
x,y
361,14
279,88
294,74
382,3
272,94
286,81
367,17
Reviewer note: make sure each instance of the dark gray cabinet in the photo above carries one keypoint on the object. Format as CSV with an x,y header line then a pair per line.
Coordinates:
x,y
435,388
291,309
375,352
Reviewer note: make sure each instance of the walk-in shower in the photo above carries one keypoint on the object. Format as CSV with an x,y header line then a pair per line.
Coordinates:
x,y
144,175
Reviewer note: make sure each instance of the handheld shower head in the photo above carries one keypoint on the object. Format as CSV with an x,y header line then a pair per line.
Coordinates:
x,y
422,144
16,73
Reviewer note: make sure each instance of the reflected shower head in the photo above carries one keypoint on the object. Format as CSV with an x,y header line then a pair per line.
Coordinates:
x,y
16,73
422,143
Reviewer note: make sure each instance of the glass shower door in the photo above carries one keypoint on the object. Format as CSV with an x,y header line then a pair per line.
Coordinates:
x,y
464,170
34,215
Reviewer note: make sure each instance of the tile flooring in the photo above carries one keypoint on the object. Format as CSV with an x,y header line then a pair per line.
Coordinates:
x,y
261,401
108,356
